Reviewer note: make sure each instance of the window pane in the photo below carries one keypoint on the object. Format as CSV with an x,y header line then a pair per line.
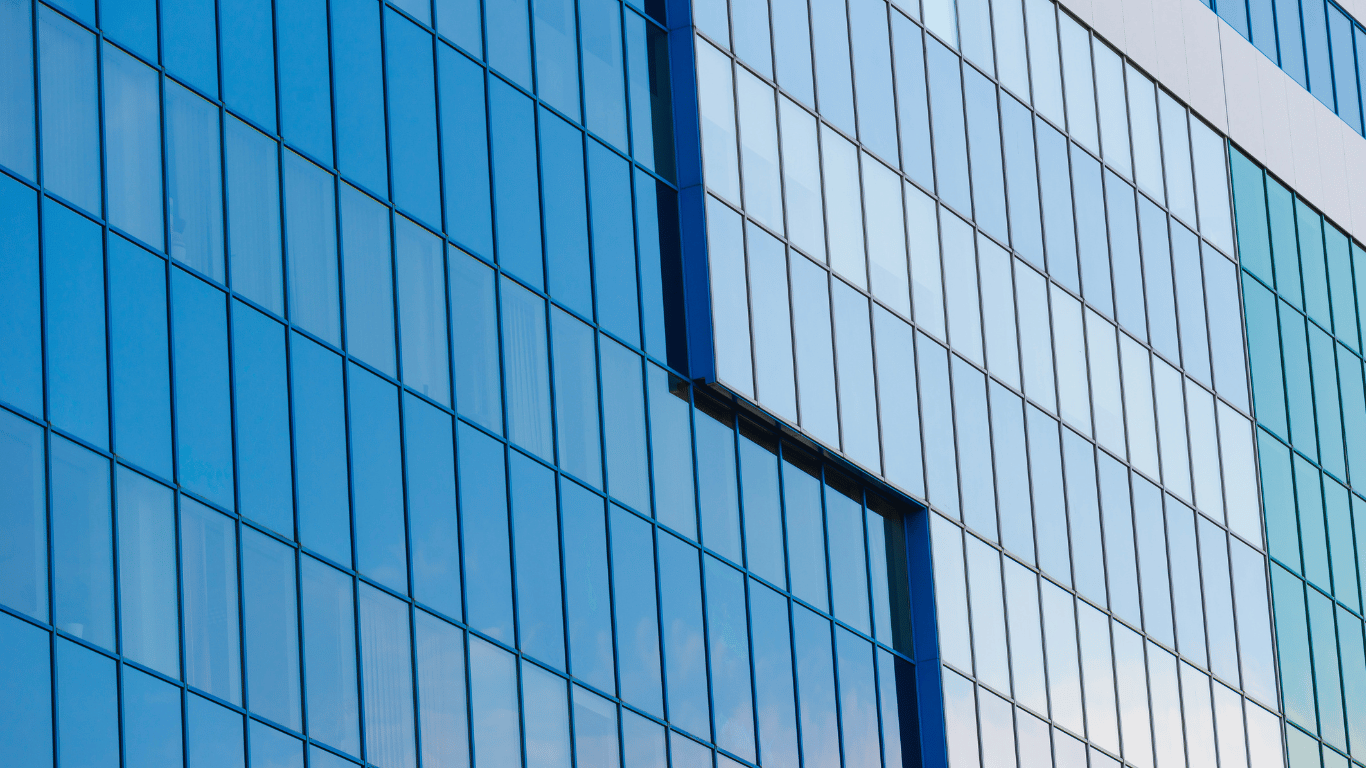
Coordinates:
x,y
208,544
82,546
271,629
148,611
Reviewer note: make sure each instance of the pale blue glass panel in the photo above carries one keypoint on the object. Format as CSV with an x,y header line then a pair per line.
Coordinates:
x,y
488,552
557,55
261,380
1171,423
712,20
950,141
1055,190
912,101
1026,641
604,88
716,105
1327,672
899,416
1212,185
495,717
425,358
595,730
1070,355
141,362
816,688
1126,262
805,539
17,127
311,245
1135,727
429,455
1226,333
253,170
774,700
87,707
149,612
271,629
1044,66
69,110
961,286
643,742
386,666
834,80
324,508
1118,523
368,269
857,700
1083,513
844,529
82,546
414,157
671,448
545,711
474,310
1166,707
194,182
377,479
1045,472
152,733
1114,111
527,365
1176,157
873,77
576,389
775,376
440,653
941,19
569,269
792,48
941,474
132,146
1031,296
759,150
202,392
984,136
729,299
680,610
273,749
636,611
1185,569
21,342
587,587
1138,394
1012,472
1150,535
858,395
1214,568
1089,199
464,142
998,733
998,311
1064,680
988,614
329,624
1077,82
717,491
974,448
208,564
536,551
213,735
73,282
1143,128
927,274
802,189
614,253
886,235
23,515
950,593
960,716
974,32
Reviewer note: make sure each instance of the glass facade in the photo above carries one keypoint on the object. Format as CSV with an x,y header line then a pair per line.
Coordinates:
x,y
662,384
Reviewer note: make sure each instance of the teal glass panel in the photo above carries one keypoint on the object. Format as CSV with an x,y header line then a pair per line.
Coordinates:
x,y
1285,255
1249,207
1264,353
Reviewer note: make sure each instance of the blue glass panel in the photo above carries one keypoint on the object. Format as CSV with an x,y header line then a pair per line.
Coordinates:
x,y
429,456
624,425
816,679
1291,40
495,719
729,655
857,699
941,475
82,547
194,182
1353,654
253,170
464,145
614,262
974,447
377,479
1012,472
1292,646
752,44
1344,68
148,602
774,700
418,9
962,286
386,665
576,397
1084,517
595,729
69,110
1226,332
440,651
763,516
570,278
513,123
1149,532
717,493
1026,645
1337,503
87,707
728,300
858,395
208,563
805,539
261,383
1190,295
545,714
792,48
848,564
671,450
141,369
273,749
368,272
1185,569
151,722
1316,50
637,620
311,245
16,88
984,132
1045,470
21,341
900,419
73,272
604,86
1056,192
1124,255
488,553
1313,531
412,117
873,75
474,310
203,412
424,348
834,81
526,363
710,18
587,591
557,55
1117,520
815,353
912,104
213,735
249,73
950,141
1157,278
685,650
132,146
271,629
508,30
460,21
1091,236
23,515
190,43
329,624
324,511
359,99
540,615
656,207
988,614
305,98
